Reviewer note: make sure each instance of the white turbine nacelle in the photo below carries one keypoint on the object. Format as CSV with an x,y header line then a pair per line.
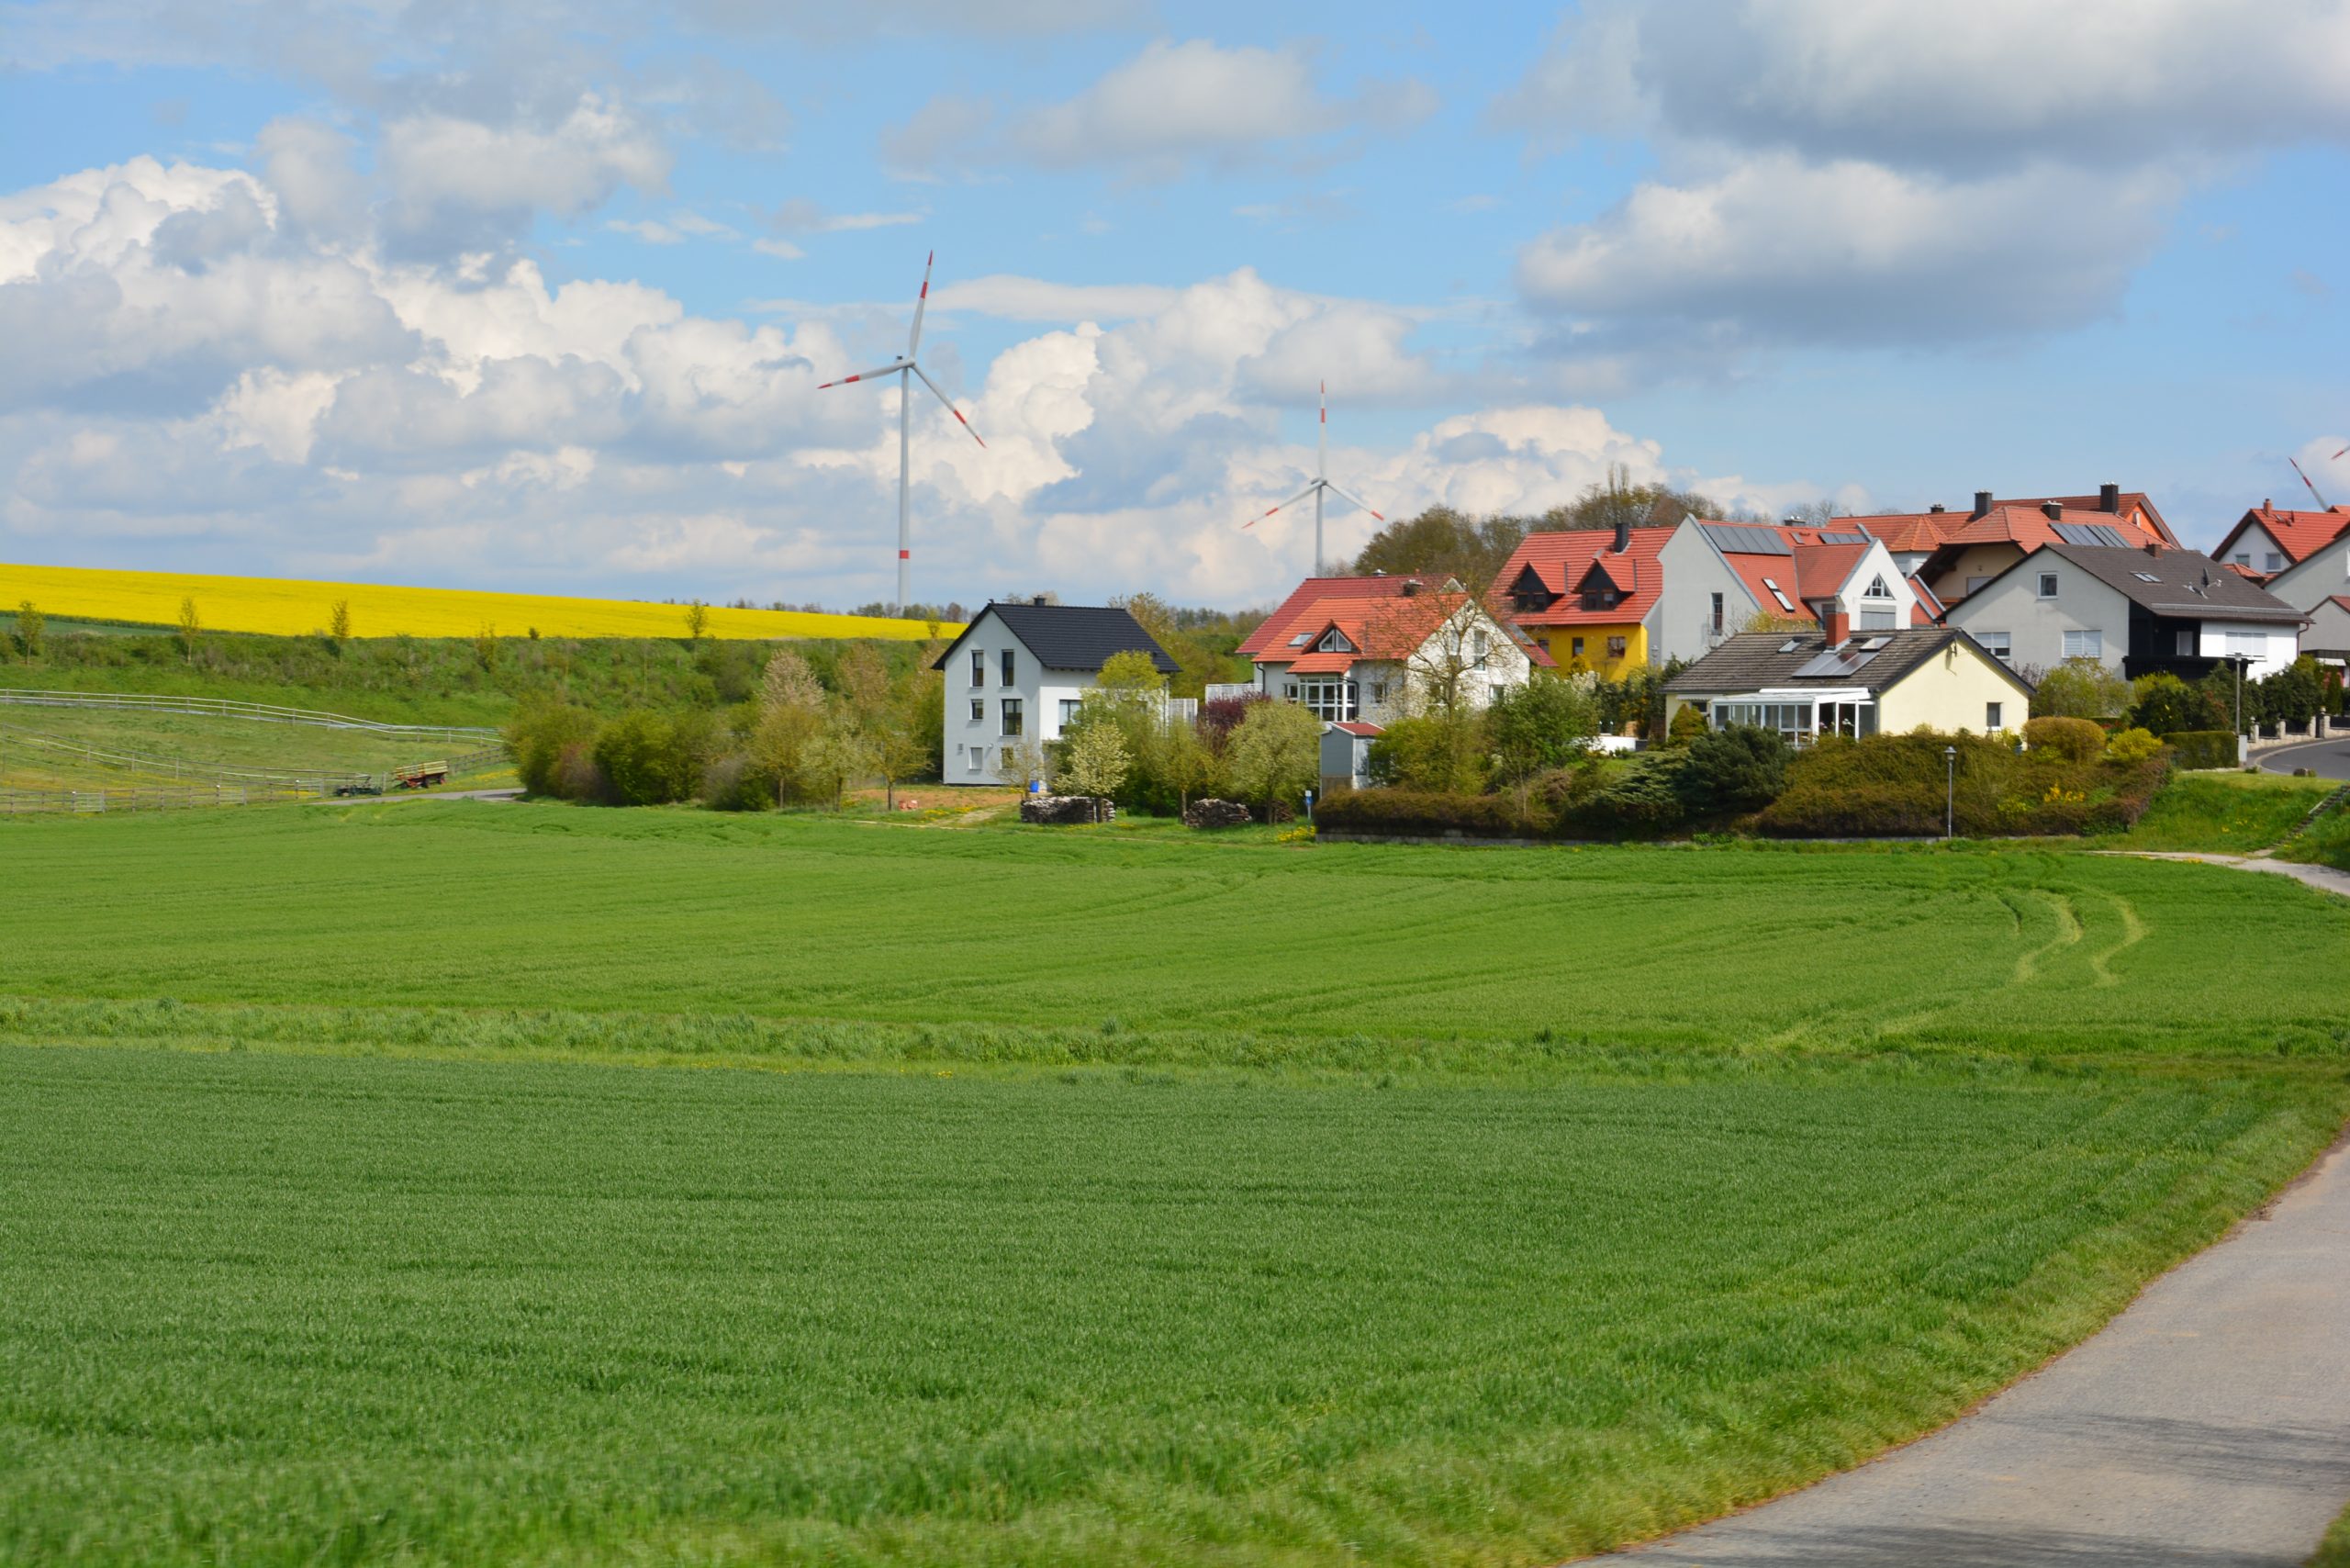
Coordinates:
x,y
1320,486
901,367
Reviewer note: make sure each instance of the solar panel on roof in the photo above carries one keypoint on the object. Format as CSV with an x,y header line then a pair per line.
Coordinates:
x,y
1738,539
1844,539
1836,662
2098,534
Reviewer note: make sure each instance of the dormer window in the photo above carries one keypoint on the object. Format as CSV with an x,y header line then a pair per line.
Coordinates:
x,y
1878,590
1334,642
1528,594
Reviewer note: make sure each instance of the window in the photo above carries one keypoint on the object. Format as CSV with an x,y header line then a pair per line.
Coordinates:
x,y
1069,705
1328,698
2048,585
2276,561
1578,647
1876,620
979,759
978,666
1991,716
1878,590
2247,645
1615,646
1379,694
1010,713
1011,664
2145,577
2244,557
1289,690
1975,583
1780,594
2183,643
1335,642
2085,645
1301,639
1999,644
1718,614
979,709
1479,648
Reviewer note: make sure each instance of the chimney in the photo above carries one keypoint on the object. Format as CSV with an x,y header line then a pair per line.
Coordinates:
x,y
1623,535
2053,509
1038,601
1411,588
1836,623
1982,504
2266,504
2153,546
2109,497
1936,508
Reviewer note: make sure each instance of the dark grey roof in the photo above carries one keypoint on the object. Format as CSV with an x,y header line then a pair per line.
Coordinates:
x,y
1753,660
1746,539
1070,636
2186,583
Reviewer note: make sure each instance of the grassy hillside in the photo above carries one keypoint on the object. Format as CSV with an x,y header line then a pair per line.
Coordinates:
x,y
1110,1197
419,680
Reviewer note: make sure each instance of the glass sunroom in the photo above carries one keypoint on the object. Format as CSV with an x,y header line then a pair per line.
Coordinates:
x,y
1801,716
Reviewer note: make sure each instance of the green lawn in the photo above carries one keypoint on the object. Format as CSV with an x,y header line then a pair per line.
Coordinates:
x,y
267,1309
683,913
2230,813
1100,1197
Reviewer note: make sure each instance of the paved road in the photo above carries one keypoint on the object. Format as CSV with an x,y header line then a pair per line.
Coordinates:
x,y
2328,758
2207,1427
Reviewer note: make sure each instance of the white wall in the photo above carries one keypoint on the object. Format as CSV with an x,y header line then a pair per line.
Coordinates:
x,y
2278,646
2254,545
2036,626
1040,692
1682,623
2317,580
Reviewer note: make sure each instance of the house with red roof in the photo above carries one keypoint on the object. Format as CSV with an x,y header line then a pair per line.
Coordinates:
x,y
1586,597
1955,554
1722,579
2267,541
1376,648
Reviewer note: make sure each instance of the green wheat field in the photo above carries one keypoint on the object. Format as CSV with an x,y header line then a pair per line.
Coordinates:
x,y
450,1183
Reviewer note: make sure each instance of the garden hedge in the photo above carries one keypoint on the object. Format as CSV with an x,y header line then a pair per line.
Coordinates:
x,y
2204,748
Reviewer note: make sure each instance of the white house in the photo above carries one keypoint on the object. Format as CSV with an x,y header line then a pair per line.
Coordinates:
x,y
1018,672
1379,648
1718,575
2135,611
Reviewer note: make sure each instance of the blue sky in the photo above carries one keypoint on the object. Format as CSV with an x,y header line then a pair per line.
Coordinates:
x,y
539,296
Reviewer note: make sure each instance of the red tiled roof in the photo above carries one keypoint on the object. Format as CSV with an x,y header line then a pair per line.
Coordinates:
x,y
1356,727
1820,569
2136,520
1386,626
2298,534
1758,573
2341,601
1904,531
1282,623
1929,610
1562,560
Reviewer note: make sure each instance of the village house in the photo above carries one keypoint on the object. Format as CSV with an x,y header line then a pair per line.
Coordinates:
x,y
1588,597
2136,611
1954,554
1722,579
1377,649
2265,541
1018,672
1811,684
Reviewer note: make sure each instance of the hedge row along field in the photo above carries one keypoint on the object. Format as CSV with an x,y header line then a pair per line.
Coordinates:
x,y
291,608
266,1310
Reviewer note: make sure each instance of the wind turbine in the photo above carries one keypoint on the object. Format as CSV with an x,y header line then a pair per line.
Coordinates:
x,y
1321,485
2305,479
902,368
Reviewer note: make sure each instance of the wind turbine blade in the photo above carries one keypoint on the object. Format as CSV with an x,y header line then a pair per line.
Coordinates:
x,y
942,397
2314,490
922,302
1350,496
1291,502
866,375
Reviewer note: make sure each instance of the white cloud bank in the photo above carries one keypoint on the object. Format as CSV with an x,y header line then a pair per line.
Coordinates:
x,y
209,374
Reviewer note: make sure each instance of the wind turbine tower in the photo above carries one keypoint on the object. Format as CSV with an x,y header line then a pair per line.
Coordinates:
x,y
904,368
1321,486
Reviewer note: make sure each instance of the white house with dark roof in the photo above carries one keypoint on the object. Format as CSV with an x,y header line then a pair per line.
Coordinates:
x,y
1018,673
1808,684
2136,611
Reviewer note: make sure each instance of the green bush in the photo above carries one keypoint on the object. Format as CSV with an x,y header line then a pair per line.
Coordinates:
x,y
1429,813
538,736
1539,726
2202,748
1440,753
2163,705
1900,786
653,758
2080,689
1639,798
1730,771
2132,745
2074,740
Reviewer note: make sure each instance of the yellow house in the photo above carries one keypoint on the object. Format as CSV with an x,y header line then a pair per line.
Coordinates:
x,y
1609,647
1804,686
1588,597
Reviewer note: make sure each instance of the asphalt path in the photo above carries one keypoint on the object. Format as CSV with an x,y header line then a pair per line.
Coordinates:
x,y
2207,1427
2328,758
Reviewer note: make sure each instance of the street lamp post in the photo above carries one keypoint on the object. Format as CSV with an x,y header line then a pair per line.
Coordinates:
x,y
1950,793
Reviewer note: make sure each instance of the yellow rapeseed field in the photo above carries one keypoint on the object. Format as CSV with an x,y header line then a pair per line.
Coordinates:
x,y
289,607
